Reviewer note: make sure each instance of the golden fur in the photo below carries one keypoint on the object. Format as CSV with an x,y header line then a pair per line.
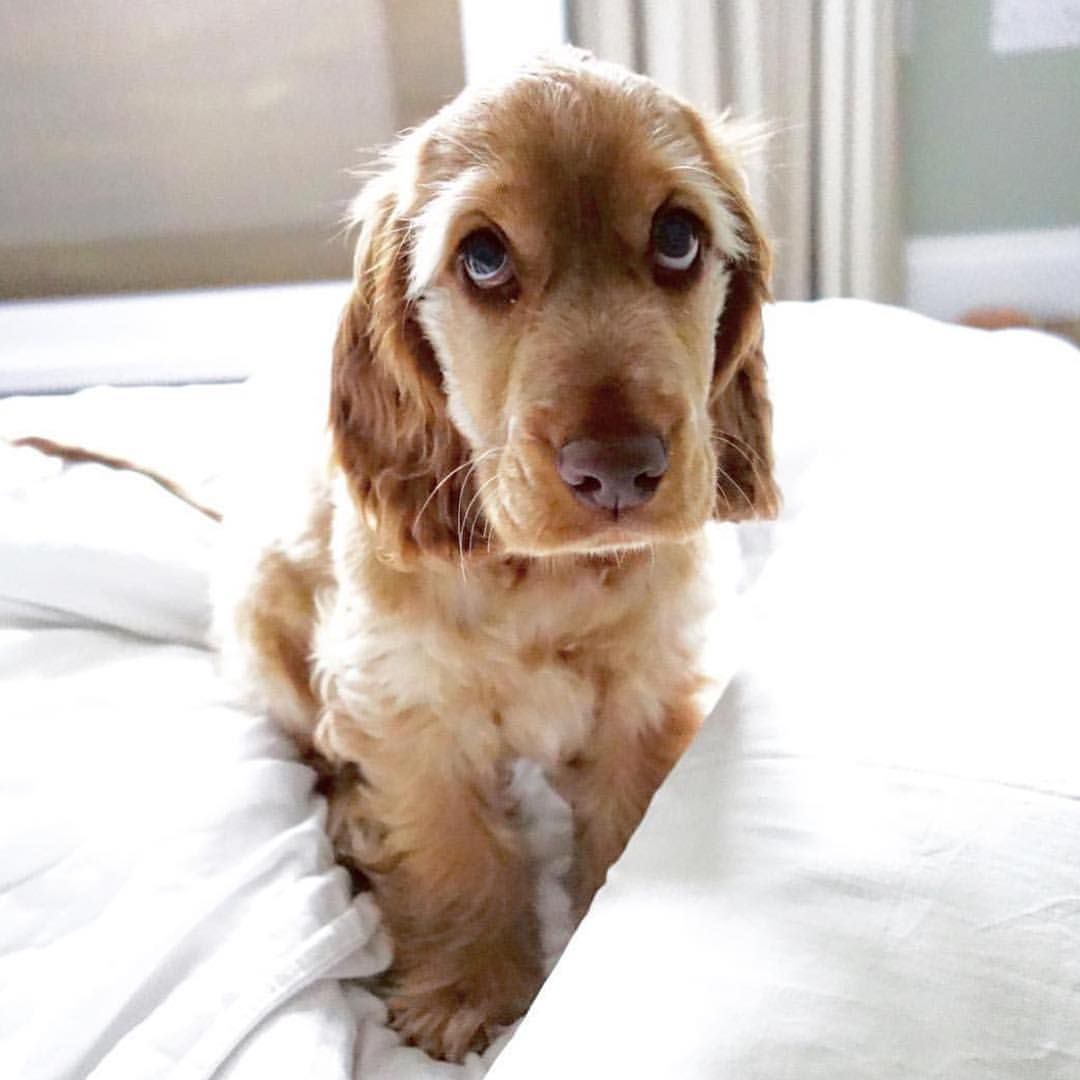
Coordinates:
x,y
442,603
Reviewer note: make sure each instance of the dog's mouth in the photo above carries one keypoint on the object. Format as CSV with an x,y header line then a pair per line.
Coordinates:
x,y
619,509
535,507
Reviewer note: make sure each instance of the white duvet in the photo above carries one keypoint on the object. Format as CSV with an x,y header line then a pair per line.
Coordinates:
x,y
868,865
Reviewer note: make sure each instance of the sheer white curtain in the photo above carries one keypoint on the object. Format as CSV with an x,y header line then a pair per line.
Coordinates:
x,y
820,75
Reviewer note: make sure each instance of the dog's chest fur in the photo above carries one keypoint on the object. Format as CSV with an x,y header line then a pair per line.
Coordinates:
x,y
519,658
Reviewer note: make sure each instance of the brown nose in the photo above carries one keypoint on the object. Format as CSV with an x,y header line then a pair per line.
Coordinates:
x,y
613,474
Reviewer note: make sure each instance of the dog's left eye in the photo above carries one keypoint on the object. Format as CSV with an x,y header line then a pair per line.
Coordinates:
x,y
675,240
485,259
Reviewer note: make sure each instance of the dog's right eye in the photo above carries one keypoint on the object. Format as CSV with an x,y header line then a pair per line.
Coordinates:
x,y
485,259
676,241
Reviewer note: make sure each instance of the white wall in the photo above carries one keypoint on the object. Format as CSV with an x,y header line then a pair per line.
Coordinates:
x,y
155,117
181,142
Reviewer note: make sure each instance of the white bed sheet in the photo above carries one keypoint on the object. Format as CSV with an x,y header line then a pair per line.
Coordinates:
x,y
169,904
867,866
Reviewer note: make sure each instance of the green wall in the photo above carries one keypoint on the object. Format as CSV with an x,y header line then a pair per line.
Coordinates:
x,y
991,142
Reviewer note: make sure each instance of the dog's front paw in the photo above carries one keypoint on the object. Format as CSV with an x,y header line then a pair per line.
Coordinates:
x,y
449,1021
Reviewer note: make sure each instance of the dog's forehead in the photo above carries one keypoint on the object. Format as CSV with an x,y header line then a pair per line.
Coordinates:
x,y
569,157
557,103
546,137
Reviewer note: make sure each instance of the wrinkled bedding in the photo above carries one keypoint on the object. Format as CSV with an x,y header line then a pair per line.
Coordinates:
x,y
868,865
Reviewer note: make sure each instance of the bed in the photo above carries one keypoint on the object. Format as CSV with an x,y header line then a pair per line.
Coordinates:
x,y
867,866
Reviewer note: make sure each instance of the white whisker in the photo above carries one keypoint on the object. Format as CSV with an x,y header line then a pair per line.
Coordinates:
x,y
470,464
744,450
734,483
739,445
480,508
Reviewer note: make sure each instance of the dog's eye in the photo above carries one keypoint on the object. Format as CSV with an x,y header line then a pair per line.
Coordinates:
x,y
675,240
485,259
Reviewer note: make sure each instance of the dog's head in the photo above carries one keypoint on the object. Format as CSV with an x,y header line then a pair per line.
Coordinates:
x,y
554,341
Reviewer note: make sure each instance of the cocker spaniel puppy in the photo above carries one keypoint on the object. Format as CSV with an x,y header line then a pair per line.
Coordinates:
x,y
548,378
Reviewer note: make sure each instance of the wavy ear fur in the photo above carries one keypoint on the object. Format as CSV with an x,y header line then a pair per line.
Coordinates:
x,y
739,400
392,433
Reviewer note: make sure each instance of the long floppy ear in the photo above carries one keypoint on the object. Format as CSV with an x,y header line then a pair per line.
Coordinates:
x,y
739,401
391,430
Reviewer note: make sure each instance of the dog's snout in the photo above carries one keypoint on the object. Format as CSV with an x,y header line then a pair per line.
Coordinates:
x,y
613,474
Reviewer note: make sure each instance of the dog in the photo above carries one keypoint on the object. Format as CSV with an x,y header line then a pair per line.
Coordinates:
x,y
548,378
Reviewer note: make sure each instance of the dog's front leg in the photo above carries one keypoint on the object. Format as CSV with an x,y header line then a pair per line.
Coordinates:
x,y
434,834
610,784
